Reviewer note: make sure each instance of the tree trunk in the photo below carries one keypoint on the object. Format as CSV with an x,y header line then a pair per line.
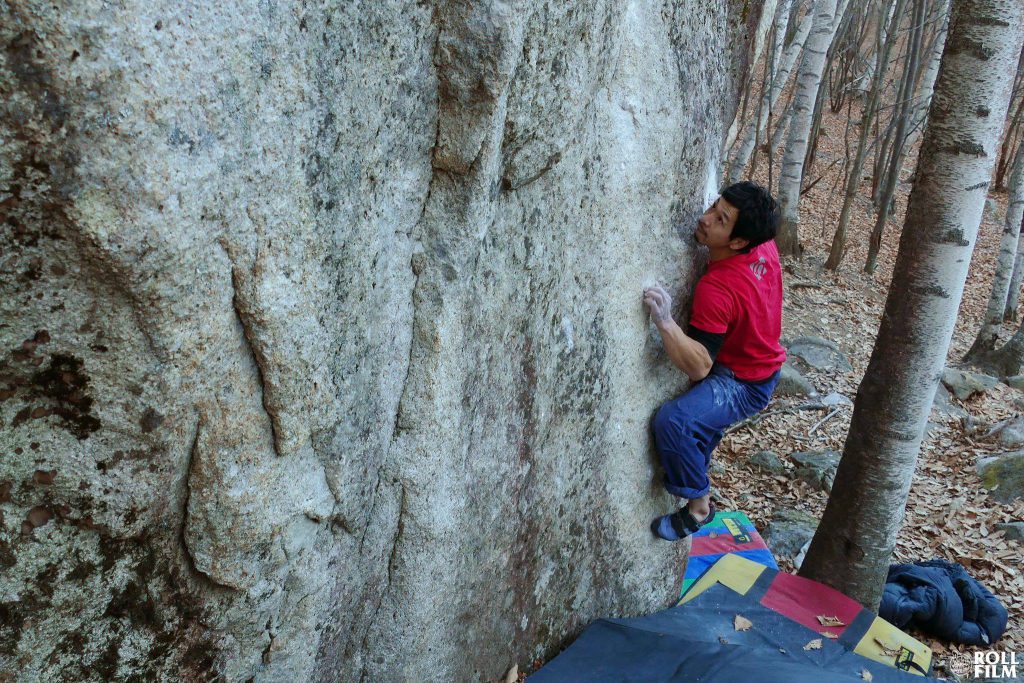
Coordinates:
x,y
1013,297
853,179
806,91
931,70
896,157
885,144
988,335
769,10
1006,360
1011,137
884,11
853,544
753,129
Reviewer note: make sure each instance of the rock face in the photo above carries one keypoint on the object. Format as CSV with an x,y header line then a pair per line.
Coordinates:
x,y
324,356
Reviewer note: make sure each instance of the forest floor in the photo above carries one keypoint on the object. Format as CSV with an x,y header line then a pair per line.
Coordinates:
x,y
949,514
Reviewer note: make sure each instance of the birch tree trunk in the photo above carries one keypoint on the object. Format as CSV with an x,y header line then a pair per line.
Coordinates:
x,y
875,63
853,545
1006,360
1013,298
896,157
853,180
808,81
988,335
931,70
1011,137
784,58
769,11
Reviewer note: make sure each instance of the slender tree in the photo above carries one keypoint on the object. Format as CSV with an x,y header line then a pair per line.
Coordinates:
x,y
988,335
1013,297
924,99
853,180
1006,360
1012,136
805,94
902,123
783,66
853,545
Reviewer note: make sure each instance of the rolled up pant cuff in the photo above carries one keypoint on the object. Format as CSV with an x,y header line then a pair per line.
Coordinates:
x,y
686,492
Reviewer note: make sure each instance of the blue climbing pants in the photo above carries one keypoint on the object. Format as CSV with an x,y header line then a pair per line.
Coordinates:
x,y
687,428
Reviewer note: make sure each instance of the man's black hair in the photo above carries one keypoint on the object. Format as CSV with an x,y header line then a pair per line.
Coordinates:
x,y
758,215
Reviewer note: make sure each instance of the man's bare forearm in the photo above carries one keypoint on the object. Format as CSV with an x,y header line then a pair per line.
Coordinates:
x,y
686,353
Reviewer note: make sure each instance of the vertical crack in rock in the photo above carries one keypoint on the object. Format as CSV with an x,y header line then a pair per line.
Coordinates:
x,y
392,561
246,318
190,559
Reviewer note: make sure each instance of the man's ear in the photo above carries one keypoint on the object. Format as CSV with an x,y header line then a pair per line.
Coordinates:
x,y
737,243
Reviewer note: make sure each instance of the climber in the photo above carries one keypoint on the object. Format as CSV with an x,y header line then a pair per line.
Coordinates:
x,y
730,351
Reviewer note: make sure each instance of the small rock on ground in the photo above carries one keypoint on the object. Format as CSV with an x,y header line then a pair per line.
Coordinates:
x,y
1009,433
1014,530
819,354
965,384
1016,381
768,461
817,468
1003,475
788,531
792,383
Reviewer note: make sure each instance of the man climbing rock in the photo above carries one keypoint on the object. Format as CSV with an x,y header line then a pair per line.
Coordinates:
x,y
730,350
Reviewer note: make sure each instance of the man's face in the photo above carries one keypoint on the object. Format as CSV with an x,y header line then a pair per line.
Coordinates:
x,y
714,228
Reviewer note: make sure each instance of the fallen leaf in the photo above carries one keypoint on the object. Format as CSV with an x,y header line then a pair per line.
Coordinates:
x,y
813,645
886,650
866,675
742,623
513,674
830,621
829,634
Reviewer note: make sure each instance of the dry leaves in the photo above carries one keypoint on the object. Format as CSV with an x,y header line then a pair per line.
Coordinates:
x,y
866,675
886,650
813,645
830,621
741,623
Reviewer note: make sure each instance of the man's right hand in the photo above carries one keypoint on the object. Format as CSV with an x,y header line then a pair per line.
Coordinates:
x,y
660,304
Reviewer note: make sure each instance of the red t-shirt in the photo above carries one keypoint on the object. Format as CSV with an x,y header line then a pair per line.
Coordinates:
x,y
741,297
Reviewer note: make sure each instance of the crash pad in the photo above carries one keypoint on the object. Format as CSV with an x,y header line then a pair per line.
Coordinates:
x,y
803,601
729,532
697,641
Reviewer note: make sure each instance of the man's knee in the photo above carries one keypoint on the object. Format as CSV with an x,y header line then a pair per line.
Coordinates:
x,y
670,422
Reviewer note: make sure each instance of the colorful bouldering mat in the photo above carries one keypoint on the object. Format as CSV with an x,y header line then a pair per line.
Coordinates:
x,y
811,604
729,532
697,641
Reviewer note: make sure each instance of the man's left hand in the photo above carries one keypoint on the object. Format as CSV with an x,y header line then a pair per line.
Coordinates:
x,y
660,304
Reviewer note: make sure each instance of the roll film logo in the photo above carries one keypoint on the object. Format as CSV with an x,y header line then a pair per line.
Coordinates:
x,y
986,664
